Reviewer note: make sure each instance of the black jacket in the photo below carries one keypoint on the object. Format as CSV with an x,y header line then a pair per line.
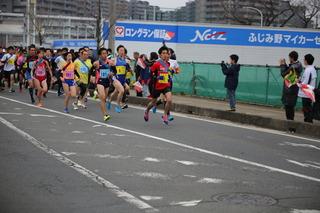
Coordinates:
x,y
290,95
232,75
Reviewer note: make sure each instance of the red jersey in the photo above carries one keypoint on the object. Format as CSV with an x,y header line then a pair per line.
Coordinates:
x,y
161,69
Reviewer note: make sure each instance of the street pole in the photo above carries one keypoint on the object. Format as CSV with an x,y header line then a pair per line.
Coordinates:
x,y
259,11
34,2
112,23
154,13
69,22
28,22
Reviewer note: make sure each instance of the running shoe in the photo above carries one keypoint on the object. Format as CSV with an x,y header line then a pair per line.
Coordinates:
x,y
108,105
82,105
106,117
118,109
66,110
154,109
125,106
33,101
146,116
165,119
170,118
75,107
12,90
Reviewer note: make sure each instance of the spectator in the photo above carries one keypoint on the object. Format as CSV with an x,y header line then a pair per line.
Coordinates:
x,y
144,76
232,78
136,69
291,73
309,77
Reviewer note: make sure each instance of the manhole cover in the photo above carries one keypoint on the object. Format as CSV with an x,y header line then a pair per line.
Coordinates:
x,y
245,199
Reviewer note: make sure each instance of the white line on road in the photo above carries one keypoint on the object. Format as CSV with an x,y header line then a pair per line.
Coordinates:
x,y
186,203
226,123
274,169
300,145
41,115
82,170
241,126
10,113
307,165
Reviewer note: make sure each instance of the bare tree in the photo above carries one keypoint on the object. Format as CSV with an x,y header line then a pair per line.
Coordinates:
x,y
41,27
306,10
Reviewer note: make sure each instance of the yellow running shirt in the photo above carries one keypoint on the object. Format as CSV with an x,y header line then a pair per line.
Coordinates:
x,y
83,68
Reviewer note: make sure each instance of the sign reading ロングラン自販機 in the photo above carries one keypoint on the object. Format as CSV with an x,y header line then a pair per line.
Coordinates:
x,y
127,31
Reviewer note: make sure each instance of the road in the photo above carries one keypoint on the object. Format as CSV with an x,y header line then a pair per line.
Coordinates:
x,y
56,162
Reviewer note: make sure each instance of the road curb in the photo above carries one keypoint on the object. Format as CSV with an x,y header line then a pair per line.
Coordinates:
x,y
312,130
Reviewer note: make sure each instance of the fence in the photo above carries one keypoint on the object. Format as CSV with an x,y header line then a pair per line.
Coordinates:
x,y
257,84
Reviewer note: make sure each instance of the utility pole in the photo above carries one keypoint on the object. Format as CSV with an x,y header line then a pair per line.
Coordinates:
x,y
112,23
34,13
28,22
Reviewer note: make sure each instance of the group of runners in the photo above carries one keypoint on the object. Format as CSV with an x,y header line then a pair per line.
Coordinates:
x,y
80,75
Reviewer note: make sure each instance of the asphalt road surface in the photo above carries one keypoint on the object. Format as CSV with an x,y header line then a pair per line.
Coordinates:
x,y
56,162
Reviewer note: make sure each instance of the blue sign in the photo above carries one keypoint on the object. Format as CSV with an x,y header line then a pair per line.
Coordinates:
x,y
215,35
74,43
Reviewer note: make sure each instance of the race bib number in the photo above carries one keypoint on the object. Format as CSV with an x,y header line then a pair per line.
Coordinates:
x,y
164,78
121,70
11,62
104,73
40,72
70,75
30,64
84,69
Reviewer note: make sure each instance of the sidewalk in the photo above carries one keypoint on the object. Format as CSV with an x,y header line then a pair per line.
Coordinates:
x,y
262,116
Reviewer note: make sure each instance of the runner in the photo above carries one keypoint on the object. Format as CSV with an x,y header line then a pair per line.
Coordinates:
x,y
160,77
174,69
9,68
40,76
82,67
21,65
31,58
68,82
121,68
59,62
49,59
103,75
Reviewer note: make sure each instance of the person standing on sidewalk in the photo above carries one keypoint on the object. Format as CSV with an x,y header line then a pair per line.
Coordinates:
x,y
291,73
232,79
309,77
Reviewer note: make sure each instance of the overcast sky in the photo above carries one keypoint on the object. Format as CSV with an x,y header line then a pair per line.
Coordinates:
x,y
168,3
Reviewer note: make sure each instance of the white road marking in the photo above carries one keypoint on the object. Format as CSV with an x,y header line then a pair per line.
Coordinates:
x,y
69,153
307,165
80,142
155,160
274,169
304,211
101,133
112,156
210,180
77,132
10,113
153,175
17,108
40,115
186,203
229,123
118,135
149,198
190,176
187,163
98,125
300,145
82,170
225,123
